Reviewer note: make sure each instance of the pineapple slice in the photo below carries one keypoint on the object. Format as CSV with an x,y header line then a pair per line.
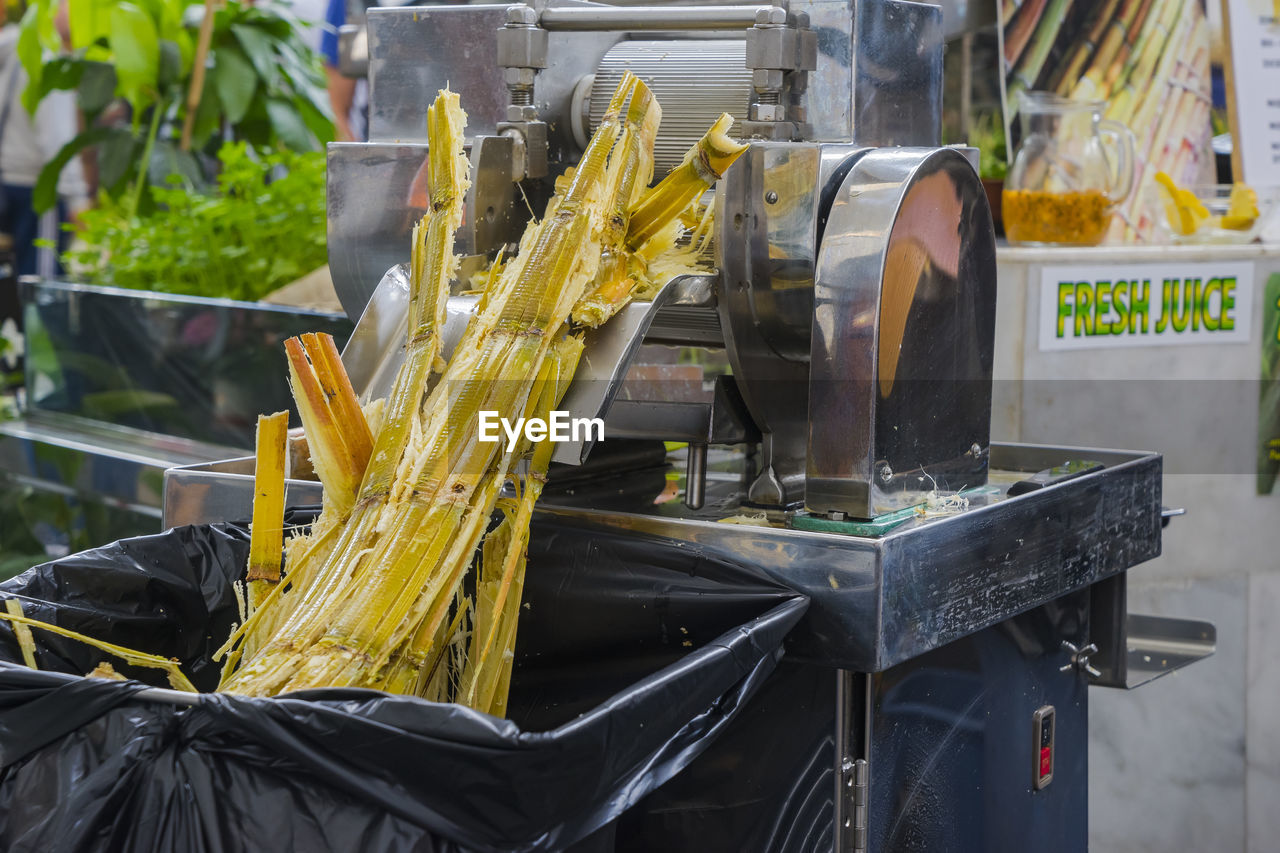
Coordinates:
x,y
1243,210
1185,212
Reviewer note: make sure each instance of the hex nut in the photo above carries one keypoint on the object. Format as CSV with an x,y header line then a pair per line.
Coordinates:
x,y
773,47
520,14
776,130
774,15
519,77
518,113
767,80
768,112
807,50
519,47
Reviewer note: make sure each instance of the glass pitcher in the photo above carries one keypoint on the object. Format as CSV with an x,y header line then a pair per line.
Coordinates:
x,y
1071,169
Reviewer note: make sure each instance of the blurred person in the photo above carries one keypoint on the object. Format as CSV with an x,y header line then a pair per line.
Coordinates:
x,y
312,14
27,143
348,97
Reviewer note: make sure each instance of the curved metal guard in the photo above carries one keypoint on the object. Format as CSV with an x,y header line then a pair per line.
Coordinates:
x,y
903,329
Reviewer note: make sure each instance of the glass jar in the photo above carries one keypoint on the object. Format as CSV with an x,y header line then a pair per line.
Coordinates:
x,y
1072,167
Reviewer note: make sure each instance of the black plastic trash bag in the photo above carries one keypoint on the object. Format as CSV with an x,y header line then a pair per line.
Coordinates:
x,y
98,765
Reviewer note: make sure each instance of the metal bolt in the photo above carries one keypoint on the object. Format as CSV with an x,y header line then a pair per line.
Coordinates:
x,y
975,450
886,473
773,16
522,16
771,197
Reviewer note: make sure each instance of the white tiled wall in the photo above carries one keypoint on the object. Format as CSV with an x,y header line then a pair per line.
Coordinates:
x,y
1167,760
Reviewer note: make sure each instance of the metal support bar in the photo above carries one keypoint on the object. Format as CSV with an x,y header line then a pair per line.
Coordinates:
x,y
581,19
695,477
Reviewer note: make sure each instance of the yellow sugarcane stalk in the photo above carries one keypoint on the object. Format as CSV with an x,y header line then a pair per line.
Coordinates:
x,y
493,370
480,682
630,170
22,633
432,265
266,532
703,165
177,679
377,600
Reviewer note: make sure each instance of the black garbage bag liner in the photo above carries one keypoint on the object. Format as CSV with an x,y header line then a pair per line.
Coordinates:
x,y
101,765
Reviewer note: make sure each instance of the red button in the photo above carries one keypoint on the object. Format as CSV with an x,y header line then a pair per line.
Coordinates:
x,y
1046,761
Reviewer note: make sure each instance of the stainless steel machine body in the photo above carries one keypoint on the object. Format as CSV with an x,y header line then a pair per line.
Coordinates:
x,y
963,593
805,322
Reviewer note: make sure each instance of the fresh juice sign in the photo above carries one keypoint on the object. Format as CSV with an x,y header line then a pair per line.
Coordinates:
x,y
1128,305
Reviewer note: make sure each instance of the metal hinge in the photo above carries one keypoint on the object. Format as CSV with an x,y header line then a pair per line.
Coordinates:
x,y
856,775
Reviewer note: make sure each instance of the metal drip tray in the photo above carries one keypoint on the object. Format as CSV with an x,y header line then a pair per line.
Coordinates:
x,y
876,601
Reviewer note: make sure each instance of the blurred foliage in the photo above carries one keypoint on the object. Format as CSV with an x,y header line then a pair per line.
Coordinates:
x,y
263,85
38,525
986,133
262,227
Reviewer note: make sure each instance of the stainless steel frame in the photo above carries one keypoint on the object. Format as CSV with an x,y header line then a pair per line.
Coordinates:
x,y
121,385
876,601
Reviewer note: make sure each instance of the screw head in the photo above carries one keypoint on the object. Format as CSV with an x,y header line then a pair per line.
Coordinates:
x,y
975,450
886,473
771,197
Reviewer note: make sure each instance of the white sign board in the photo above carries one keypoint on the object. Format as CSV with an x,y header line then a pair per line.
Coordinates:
x,y
1139,305
1253,77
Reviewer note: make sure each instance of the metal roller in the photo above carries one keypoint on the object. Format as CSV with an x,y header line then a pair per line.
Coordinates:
x,y
693,80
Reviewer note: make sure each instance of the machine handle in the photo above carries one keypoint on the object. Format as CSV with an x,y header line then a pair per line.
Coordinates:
x,y
1124,145
593,18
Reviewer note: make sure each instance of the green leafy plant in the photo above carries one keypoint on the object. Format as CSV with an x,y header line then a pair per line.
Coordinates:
x,y
986,133
257,82
262,227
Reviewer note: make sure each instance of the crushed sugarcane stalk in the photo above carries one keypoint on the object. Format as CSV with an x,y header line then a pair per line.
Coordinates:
x,y
22,633
266,531
177,679
375,594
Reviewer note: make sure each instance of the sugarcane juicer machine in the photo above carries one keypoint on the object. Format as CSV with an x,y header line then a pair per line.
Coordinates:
x,y
963,593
